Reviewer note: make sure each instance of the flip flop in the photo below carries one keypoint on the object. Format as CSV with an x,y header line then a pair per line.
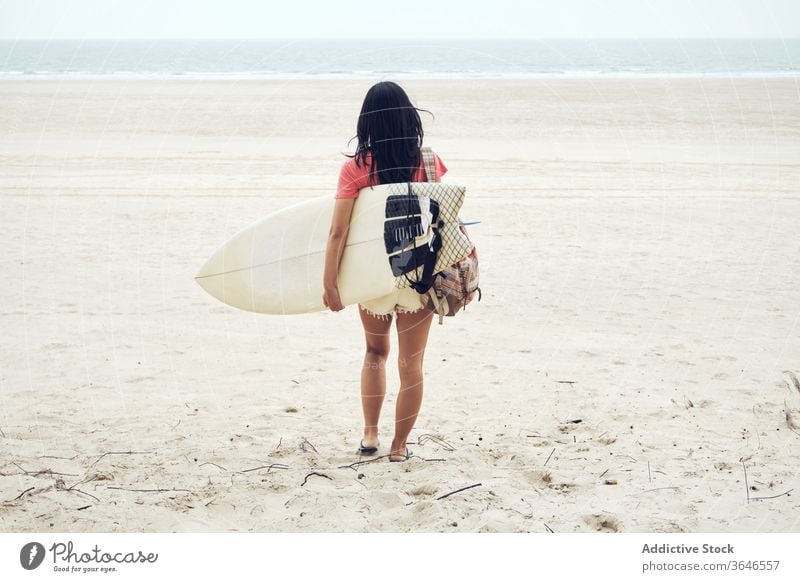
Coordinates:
x,y
403,460
368,450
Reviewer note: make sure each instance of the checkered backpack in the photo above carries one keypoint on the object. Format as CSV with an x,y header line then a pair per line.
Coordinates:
x,y
455,285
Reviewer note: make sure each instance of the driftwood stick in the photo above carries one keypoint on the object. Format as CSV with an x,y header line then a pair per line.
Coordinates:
x,y
149,490
746,486
550,455
317,474
357,463
305,442
36,473
118,453
84,493
267,467
773,496
23,493
458,491
439,441
75,485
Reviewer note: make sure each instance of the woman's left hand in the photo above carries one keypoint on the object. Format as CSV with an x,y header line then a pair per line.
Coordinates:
x,y
331,299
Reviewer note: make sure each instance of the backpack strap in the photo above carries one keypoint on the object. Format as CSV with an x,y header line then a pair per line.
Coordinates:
x,y
440,306
427,159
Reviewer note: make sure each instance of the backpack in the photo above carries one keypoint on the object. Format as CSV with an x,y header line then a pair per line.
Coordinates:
x,y
454,285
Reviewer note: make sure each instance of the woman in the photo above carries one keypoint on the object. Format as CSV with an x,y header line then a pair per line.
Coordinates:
x,y
389,133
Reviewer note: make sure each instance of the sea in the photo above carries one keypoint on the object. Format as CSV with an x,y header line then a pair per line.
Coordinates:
x,y
390,58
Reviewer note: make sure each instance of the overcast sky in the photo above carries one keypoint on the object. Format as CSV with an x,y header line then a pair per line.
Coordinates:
x,y
118,19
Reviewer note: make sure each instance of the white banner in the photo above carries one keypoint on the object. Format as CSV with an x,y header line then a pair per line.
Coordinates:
x,y
457,557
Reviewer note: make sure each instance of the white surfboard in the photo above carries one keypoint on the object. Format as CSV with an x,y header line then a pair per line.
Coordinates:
x,y
276,264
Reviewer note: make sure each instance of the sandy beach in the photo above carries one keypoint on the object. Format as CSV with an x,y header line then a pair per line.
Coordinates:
x,y
632,366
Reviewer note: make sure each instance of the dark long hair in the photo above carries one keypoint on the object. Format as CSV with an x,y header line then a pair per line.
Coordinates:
x,y
389,128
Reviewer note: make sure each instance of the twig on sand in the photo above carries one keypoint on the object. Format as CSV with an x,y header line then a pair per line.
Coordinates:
x,y
58,457
458,491
548,528
71,487
210,463
2,433
84,493
267,467
566,381
603,473
357,463
149,490
746,486
317,474
118,453
438,440
23,493
550,455
305,443
40,471
649,477
772,496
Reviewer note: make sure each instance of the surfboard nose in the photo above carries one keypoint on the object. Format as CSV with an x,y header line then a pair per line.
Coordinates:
x,y
206,270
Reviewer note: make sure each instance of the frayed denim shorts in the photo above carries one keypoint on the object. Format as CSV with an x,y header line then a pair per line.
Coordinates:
x,y
403,300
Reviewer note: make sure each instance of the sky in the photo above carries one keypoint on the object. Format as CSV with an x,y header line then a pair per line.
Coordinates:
x,y
413,19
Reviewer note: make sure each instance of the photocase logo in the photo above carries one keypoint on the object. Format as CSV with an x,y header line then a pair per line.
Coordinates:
x,y
31,555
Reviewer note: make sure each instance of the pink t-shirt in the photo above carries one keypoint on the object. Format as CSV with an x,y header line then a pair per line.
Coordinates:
x,y
352,178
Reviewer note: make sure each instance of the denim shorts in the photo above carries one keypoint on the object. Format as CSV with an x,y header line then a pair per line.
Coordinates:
x,y
403,300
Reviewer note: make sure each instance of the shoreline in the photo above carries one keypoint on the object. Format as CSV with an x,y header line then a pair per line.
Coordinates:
x,y
400,76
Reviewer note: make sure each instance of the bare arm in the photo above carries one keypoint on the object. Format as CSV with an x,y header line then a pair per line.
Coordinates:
x,y
337,237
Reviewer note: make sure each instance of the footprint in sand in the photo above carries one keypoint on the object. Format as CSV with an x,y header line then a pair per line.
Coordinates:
x,y
602,522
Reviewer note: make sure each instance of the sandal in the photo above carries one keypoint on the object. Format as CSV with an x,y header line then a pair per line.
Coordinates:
x,y
408,455
368,450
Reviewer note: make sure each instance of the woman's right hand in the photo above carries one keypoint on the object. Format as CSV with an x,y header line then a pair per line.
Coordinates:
x,y
331,299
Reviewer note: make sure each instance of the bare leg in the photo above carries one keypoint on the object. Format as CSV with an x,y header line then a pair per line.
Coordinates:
x,y
373,373
412,334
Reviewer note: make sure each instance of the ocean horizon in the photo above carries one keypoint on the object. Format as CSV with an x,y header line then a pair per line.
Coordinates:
x,y
434,59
